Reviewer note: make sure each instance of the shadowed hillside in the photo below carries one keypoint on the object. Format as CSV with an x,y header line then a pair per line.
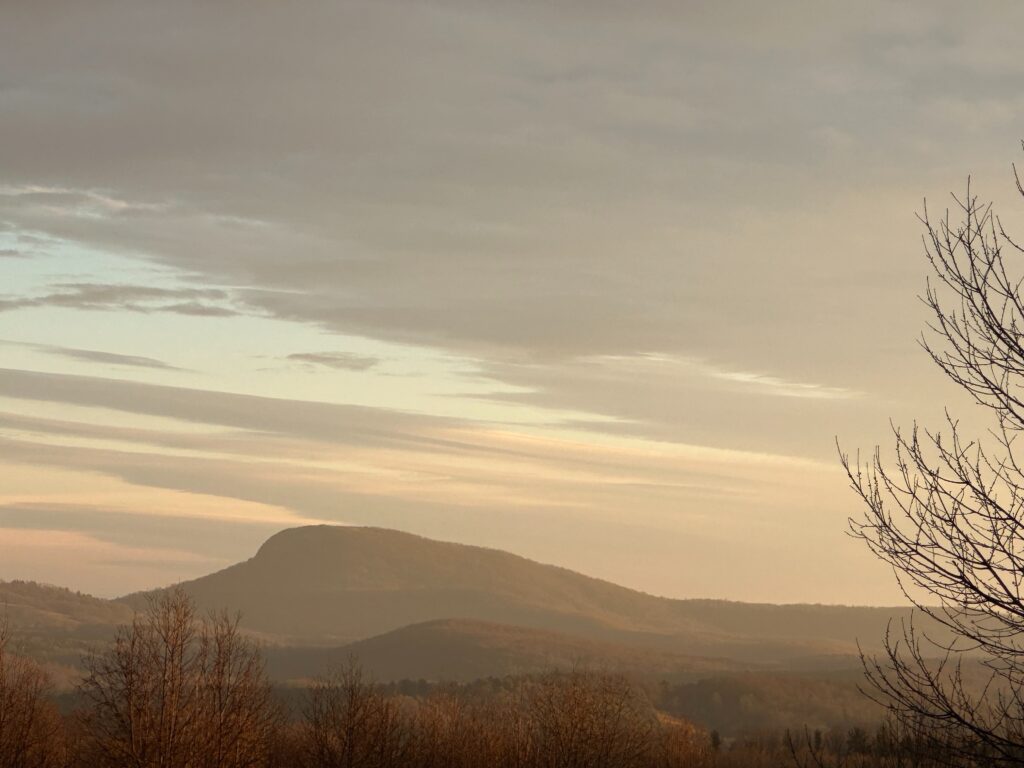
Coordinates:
x,y
461,650
331,585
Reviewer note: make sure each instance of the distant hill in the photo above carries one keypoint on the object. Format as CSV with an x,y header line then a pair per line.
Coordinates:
x,y
333,585
56,626
461,650
30,606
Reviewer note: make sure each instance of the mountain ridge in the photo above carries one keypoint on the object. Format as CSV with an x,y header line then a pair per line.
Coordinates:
x,y
311,593
334,585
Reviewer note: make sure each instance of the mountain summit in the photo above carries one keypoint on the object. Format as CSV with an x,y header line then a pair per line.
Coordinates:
x,y
331,584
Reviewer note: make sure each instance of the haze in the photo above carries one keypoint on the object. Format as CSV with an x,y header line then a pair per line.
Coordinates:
x,y
596,287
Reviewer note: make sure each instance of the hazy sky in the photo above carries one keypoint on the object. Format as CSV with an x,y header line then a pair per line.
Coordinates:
x,y
597,283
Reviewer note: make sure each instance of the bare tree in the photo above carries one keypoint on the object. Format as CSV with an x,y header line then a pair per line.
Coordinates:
x,y
895,745
589,719
177,691
583,719
452,732
31,732
948,512
349,723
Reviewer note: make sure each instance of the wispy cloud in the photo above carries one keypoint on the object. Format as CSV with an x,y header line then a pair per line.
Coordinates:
x,y
677,398
95,356
110,358
209,302
444,477
157,529
779,387
67,201
345,361
751,383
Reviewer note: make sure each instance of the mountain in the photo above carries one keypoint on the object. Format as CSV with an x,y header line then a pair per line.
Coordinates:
x,y
462,650
334,585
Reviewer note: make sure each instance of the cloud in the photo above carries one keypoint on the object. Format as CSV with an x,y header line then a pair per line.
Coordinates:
x,y
680,399
98,356
91,564
211,538
11,253
131,298
504,187
75,202
773,385
338,423
296,431
101,357
344,361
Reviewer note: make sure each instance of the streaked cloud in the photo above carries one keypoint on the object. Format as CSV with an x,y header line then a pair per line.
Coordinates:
x,y
97,356
72,557
109,358
442,477
207,302
64,201
345,361
773,385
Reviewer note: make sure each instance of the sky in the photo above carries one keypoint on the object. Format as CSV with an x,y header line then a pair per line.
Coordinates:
x,y
596,283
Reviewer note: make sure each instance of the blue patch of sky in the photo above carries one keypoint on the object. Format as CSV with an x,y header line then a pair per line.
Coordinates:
x,y
244,354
